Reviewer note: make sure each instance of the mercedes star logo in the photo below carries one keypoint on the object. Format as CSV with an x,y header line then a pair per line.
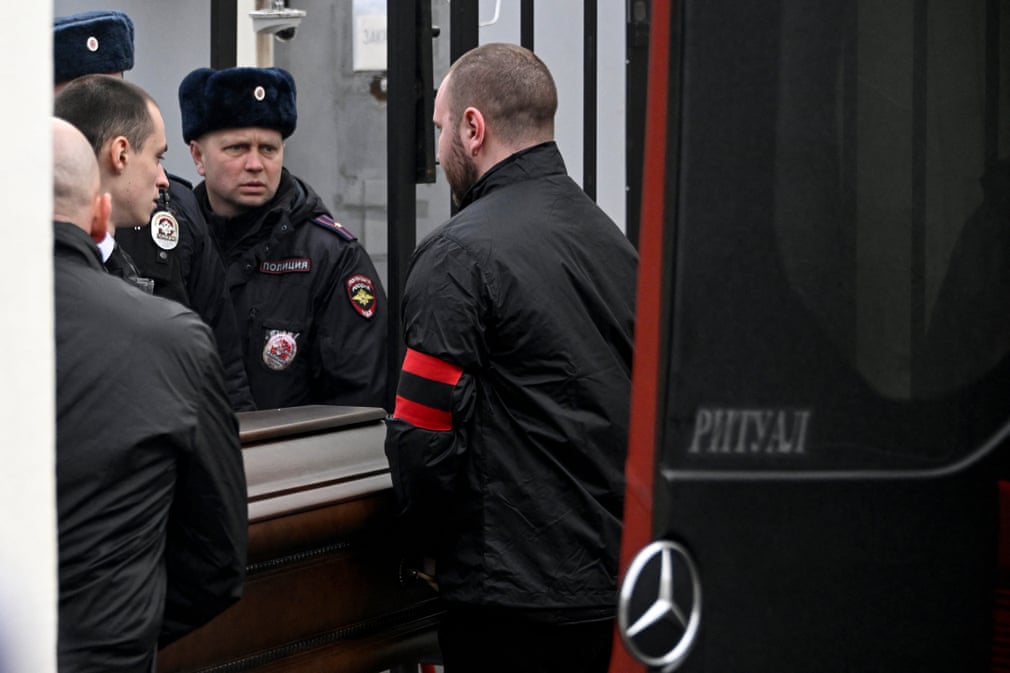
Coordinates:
x,y
660,605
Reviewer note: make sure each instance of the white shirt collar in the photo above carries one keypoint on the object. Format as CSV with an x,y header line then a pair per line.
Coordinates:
x,y
106,246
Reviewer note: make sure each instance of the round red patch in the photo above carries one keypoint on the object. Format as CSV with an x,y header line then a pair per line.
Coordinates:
x,y
280,350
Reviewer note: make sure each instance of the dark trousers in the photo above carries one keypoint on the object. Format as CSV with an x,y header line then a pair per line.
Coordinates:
x,y
495,641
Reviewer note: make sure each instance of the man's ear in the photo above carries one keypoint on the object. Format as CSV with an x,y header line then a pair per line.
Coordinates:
x,y
196,152
117,152
473,130
101,212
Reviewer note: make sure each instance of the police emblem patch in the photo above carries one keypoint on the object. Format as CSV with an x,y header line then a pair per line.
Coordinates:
x,y
280,349
165,230
361,292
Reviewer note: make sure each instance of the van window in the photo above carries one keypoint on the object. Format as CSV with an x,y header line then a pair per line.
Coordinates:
x,y
842,250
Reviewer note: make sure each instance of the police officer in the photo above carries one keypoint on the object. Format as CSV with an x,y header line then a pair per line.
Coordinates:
x,y
307,294
170,254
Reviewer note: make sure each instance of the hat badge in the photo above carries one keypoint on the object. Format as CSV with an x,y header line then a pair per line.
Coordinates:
x,y
259,93
92,43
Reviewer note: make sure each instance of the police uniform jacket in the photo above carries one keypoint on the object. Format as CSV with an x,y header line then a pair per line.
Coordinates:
x,y
184,265
308,300
151,493
508,441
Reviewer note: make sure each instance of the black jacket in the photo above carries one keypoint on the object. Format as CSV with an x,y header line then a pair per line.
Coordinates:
x,y
309,302
120,264
186,267
151,492
528,292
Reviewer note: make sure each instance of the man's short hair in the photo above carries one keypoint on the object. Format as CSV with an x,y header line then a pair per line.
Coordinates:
x,y
105,107
511,87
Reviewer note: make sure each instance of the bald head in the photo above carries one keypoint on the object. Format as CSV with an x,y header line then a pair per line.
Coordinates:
x,y
76,180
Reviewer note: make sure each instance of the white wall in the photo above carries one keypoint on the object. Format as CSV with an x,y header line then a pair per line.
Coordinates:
x,y
27,484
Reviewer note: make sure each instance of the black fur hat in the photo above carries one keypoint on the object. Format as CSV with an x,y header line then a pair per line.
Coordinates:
x,y
88,43
237,98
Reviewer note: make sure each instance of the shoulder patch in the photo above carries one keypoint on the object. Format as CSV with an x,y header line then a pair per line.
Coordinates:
x,y
361,293
328,223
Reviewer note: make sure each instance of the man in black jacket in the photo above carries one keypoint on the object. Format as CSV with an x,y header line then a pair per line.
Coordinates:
x,y
151,494
305,291
169,252
508,440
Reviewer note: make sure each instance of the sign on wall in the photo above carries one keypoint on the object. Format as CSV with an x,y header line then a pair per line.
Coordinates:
x,y
369,35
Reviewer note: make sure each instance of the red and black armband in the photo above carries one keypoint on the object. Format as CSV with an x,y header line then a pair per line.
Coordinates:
x,y
424,395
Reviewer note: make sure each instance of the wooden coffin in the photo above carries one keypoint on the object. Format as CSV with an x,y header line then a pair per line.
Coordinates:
x,y
324,590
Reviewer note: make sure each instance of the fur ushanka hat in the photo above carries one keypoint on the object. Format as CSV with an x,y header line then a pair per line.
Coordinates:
x,y
237,98
90,43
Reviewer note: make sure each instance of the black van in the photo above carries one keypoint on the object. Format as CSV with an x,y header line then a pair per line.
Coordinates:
x,y
822,383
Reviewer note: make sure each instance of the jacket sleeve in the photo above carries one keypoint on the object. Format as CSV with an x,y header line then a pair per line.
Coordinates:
x,y
205,551
446,311
349,353
209,297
